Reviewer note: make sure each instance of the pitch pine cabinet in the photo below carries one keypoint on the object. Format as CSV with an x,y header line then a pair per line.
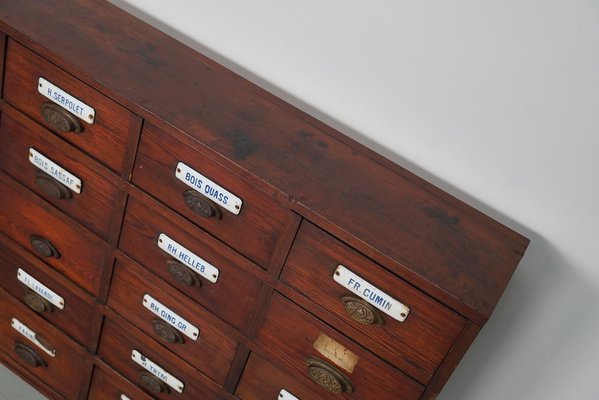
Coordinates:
x,y
169,230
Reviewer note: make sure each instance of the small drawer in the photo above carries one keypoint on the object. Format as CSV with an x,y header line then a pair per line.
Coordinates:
x,y
233,295
47,293
35,157
262,230
262,380
417,345
40,348
105,139
61,242
109,385
125,349
173,320
317,353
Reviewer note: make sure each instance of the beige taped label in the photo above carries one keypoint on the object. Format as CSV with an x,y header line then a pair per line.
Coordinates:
x,y
336,353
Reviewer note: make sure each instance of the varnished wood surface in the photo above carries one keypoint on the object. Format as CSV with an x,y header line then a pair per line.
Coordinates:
x,y
433,240
107,384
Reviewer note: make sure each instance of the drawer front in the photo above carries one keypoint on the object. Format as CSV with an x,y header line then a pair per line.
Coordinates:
x,y
120,340
309,347
105,139
69,362
417,345
234,294
43,290
262,380
21,140
262,229
61,242
173,320
109,385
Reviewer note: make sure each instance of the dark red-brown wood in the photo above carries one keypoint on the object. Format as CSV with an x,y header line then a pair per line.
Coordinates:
x,y
433,240
107,384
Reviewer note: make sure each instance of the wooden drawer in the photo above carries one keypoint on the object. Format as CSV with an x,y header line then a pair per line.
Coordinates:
x,y
133,289
234,294
93,206
293,336
263,228
109,385
417,345
105,139
40,288
262,380
78,254
121,340
64,370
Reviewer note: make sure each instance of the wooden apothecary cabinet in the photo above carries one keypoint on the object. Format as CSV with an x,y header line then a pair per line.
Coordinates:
x,y
169,230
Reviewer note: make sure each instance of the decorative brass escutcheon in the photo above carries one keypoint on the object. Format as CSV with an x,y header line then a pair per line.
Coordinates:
x,y
29,356
328,377
201,205
152,384
362,311
51,187
60,119
43,247
36,302
166,332
181,274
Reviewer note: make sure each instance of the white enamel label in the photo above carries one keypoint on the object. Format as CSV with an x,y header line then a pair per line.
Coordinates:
x,y
190,260
40,288
285,395
172,318
66,101
123,397
157,371
31,335
54,170
370,293
208,188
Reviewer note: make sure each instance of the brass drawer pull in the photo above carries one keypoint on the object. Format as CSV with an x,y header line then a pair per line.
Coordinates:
x,y
152,384
362,311
51,187
29,356
166,332
201,205
182,275
328,377
60,119
43,247
36,302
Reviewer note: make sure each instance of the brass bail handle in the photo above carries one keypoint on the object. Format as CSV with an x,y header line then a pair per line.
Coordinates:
x,y
182,275
29,356
152,384
43,247
201,205
166,332
36,302
51,187
362,311
328,377
59,118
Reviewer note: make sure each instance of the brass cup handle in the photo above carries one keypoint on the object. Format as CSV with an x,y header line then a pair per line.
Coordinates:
x,y
36,302
201,205
166,332
328,377
51,187
43,247
60,119
182,275
29,356
362,311
152,384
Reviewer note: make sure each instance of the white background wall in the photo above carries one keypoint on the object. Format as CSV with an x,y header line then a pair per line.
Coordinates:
x,y
497,102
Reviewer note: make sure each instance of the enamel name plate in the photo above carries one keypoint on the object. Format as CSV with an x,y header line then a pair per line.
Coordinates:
x,y
123,397
208,188
370,293
190,260
40,288
285,395
66,101
31,335
54,170
169,316
157,371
